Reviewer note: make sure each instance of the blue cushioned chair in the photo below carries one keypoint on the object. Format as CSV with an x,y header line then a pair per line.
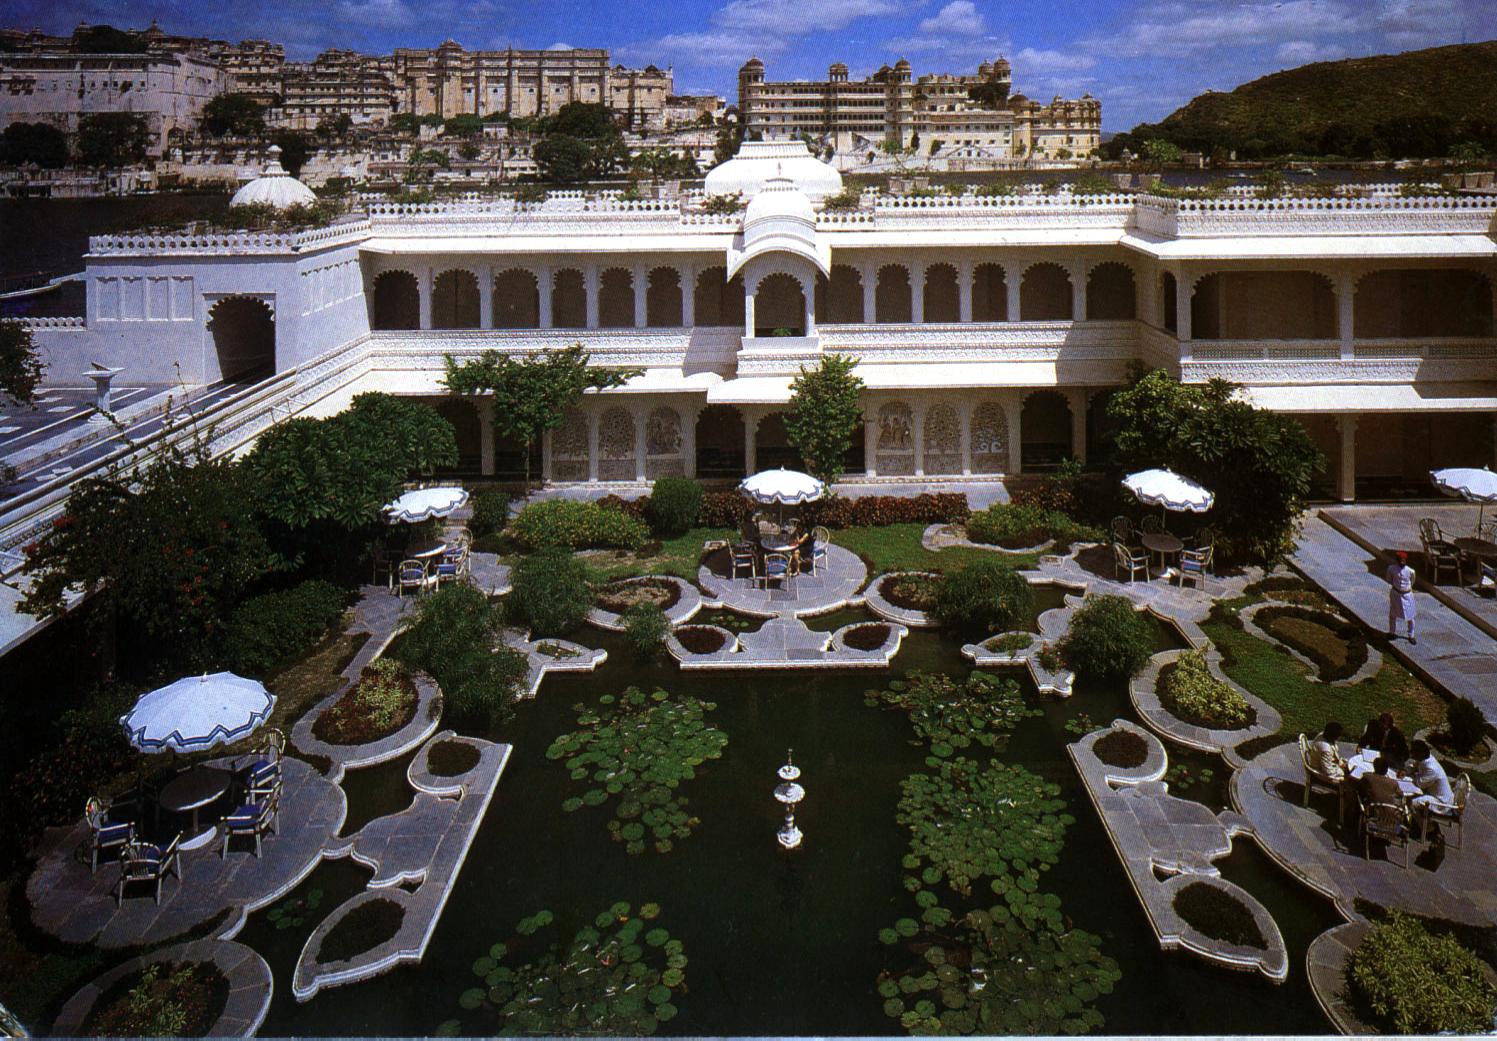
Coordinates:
x,y
252,819
143,862
107,833
776,568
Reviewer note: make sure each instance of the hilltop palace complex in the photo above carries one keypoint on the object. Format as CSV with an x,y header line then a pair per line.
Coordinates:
x,y
988,330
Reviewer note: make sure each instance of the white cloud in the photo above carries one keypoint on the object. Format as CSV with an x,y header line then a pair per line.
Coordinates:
x,y
1177,30
958,18
1422,23
1303,52
957,32
1032,61
384,14
784,18
559,46
707,48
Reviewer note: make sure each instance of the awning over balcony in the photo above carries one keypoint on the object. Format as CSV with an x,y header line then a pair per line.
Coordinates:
x,y
1284,247
1439,397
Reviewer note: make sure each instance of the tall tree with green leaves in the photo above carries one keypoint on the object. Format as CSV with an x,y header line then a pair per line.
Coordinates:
x,y
532,393
824,414
112,138
20,368
233,113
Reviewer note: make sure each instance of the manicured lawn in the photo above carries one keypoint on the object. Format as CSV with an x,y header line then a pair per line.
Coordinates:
x,y
897,547
679,556
1284,682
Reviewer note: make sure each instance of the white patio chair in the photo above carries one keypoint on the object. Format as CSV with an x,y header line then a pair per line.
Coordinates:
x,y
1133,561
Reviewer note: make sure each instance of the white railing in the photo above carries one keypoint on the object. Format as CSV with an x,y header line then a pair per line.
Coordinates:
x,y
69,322
1238,350
425,349
1453,348
1379,214
977,341
218,241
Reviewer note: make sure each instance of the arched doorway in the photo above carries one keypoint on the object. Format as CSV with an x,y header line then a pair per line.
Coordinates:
x,y
989,294
616,299
942,301
517,300
779,306
720,440
718,302
569,299
663,298
454,300
397,301
891,295
243,331
1044,431
1045,294
464,419
839,300
772,445
1109,293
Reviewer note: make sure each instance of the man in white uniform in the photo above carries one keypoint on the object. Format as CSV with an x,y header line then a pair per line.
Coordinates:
x,y
1400,596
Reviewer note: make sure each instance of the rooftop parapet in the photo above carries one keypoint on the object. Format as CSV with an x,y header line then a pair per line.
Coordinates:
x,y
1239,215
210,241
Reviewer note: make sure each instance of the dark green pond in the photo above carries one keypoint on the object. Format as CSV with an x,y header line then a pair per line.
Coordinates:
x,y
778,943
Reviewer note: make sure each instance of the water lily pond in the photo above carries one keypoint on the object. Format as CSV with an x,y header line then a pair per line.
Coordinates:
x,y
761,941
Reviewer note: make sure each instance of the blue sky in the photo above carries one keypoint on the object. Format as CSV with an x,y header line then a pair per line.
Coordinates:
x,y
1142,58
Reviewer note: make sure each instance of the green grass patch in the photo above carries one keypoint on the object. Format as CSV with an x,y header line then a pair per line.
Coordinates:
x,y
679,556
1285,683
896,547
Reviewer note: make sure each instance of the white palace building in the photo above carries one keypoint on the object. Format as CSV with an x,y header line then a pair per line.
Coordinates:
x,y
988,329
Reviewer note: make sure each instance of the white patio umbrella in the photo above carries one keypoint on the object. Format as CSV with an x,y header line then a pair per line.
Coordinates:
x,y
1469,483
1168,489
782,486
197,713
421,504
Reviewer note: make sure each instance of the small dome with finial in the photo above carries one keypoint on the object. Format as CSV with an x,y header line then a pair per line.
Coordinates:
x,y
274,187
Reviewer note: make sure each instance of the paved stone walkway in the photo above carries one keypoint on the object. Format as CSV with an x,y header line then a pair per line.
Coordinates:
x,y
1153,830
835,584
1452,653
78,907
788,643
1269,792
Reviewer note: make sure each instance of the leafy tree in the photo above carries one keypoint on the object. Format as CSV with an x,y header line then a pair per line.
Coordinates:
x,y
824,414
1157,153
334,128
405,122
552,593
465,125
39,143
562,159
1467,154
421,159
232,113
457,635
581,142
993,94
169,549
1269,184
532,393
20,368
345,468
112,138
469,150
729,138
295,149
1260,464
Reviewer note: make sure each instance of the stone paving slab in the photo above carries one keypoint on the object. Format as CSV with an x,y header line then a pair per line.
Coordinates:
x,y
1452,654
425,843
1153,830
834,585
788,643
78,907
250,986
1329,858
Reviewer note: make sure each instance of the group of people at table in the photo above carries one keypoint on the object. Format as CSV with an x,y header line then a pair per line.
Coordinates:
x,y
775,550
1385,770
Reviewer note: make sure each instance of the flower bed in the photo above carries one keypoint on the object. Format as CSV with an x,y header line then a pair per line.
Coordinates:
x,y
1010,643
700,639
451,758
1189,691
1023,527
1219,915
175,1000
1337,647
619,596
1121,749
1415,981
866,637
912,592
362,929
379,704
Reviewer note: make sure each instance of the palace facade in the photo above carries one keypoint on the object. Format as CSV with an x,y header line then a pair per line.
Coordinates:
x,y
989,331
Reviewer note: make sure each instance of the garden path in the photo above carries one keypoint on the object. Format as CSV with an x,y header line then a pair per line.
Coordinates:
x,y
1452,653
835,584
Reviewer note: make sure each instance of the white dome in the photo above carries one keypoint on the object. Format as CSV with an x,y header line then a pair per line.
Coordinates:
x,y
274,187
780,219
779,197
759,161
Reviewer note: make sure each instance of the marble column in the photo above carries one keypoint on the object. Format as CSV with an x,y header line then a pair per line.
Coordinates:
x,y
1077,272
1013,277
1346,296
592,445
543,288
641,278
750,450
1346,477
688,276
870,293
917,294
640,447
590,286
1077,400
689,442
1013,411
919,421
964,292
748,311
423,284
486,296
965,413
809,298
1184,291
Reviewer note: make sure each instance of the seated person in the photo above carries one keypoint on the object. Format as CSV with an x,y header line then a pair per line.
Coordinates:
x,y
1377,785
1373,734
1429,776
1395,745
1325,760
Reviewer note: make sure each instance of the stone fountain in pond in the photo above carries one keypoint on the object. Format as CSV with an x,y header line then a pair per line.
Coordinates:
x,y
789,794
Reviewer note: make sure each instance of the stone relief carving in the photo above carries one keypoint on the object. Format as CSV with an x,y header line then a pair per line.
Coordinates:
x,y
989,438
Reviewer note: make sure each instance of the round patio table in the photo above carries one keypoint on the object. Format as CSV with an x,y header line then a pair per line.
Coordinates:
x,y
1358,766
425,550
198,787
1478,548
1163,543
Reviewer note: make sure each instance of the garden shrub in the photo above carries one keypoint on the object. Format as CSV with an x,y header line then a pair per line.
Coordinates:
x,y
267,630
645,628
1219,915
1122,749
724,510
1021,526
185,1002
551,592
1189,691
1417,982
985,596
673,506
882,510
456,637
629,507
568,524
1337,647
380,703
1465,725
1108,639
490,511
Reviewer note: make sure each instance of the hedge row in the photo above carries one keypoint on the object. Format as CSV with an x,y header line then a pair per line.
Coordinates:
x,y
569,524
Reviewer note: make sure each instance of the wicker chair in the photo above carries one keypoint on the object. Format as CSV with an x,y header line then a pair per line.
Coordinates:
x,y
1452,812
1315,779
1152,524
143,862
412,575
1133,561
107,834
253,819
821,539
1439,552
1388,821
1195,565
741,557
776,568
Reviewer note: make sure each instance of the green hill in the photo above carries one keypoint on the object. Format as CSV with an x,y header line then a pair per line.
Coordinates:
x,y
1412,105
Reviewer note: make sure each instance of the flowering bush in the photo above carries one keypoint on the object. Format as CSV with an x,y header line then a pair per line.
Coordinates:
x,y
568,524
881,510
1188,690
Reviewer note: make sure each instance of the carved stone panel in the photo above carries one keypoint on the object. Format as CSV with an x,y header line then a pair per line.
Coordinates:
x,y
663,444
616,461
943,440
569,447
989,438
895,451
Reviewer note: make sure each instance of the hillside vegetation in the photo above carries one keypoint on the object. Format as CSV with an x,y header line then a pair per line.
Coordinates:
x,y
1419,104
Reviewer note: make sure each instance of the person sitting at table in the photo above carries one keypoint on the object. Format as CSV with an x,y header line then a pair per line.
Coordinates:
x,y
1430,778
1326,761
1377,785
1382,736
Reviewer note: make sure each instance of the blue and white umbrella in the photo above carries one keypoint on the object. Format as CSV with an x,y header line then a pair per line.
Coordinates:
x,y
197,713
785,487
421,504
1471,484
1168,489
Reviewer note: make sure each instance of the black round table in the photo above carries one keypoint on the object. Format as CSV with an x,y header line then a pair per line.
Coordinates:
x,y
201,786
